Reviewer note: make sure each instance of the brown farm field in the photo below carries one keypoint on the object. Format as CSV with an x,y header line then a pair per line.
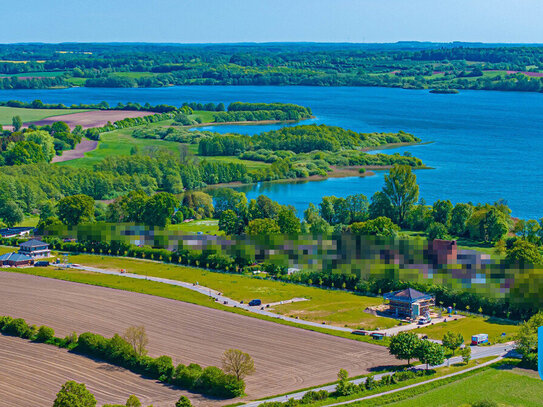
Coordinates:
x,y
92,118
32,373
286,358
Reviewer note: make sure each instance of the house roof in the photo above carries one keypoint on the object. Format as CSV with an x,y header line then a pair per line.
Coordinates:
x,y
14,257
33,243
408,295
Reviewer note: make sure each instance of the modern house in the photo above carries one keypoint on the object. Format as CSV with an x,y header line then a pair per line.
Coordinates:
x,y
35,249
409,303
15,260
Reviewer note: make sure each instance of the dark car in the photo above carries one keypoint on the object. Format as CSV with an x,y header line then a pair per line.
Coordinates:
x,y
254,303
41,263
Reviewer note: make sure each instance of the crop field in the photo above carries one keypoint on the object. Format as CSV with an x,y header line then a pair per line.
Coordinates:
x,y
32,115
474,325
286,358
505,387
333,307
93,118
23,364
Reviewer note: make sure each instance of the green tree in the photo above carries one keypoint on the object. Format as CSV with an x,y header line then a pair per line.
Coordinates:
x,y
430,353
183,402
402,191
237,363
159,209
380,226
404,346
380,206
262,227
496,225
344,386
45,141
74,394
459,216
230,223
442,211
452,341
288,222
75,209
527,340
436,230
17,123
523,253
11,213
466,354
133,401
314,221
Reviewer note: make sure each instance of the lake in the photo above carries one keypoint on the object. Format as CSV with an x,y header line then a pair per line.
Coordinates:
x,y
485,145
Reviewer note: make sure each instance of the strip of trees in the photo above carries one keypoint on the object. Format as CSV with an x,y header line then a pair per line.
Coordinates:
x,y
129,351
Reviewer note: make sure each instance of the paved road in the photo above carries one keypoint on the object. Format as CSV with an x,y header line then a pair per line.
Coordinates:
x,y
476,353
211,293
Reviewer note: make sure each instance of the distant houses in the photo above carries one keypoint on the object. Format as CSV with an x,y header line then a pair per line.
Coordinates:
x,y
28,252
22,231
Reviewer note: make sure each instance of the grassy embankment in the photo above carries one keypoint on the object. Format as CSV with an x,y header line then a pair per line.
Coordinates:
x,y
504,385
31,115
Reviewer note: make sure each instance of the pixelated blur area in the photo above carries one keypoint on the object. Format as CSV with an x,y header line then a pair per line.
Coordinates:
x,y
360,263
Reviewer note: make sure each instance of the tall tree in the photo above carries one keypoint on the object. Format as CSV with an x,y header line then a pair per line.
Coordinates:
x,y
159,209
74,394
17,123
75,209
404,346
11,213
237,363
402,191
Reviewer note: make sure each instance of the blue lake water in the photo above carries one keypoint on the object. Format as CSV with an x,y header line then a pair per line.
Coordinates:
x,y
485,145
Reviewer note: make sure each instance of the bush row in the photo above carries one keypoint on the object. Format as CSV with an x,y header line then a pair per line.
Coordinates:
x,y
210,381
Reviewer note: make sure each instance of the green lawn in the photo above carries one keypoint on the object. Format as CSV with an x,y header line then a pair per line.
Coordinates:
x,y
504,387
206,226
30,115
471,326
134,75
204,115
333,307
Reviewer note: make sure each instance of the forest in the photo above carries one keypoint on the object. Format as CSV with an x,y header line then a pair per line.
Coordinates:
x,y
403,65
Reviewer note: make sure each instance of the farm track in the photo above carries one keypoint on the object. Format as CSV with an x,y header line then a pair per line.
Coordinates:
x,y
286,358
32,373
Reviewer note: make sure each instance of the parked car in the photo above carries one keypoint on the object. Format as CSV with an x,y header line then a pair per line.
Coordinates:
x,y
360,332
41,263
254,303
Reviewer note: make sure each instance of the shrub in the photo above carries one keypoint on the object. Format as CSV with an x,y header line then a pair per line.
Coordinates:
x,y
186,376
45,334
183,402
17,327
160,368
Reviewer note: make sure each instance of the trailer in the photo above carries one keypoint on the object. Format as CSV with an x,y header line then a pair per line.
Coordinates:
x,y
479,339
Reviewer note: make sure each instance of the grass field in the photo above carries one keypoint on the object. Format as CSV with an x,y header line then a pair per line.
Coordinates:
x,y
41,74
120,142
471,326
206,226
31,115
500,385
333,307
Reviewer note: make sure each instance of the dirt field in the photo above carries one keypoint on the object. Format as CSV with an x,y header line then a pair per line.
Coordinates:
x,y
286,358
79,151
93,118
31,374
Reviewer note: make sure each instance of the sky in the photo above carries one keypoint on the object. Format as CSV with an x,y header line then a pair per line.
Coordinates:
x,y
220,21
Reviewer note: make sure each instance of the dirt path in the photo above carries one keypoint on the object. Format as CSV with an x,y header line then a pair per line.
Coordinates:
x,y
31,374
79,151
286,358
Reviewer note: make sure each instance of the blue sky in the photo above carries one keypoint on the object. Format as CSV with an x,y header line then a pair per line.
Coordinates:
x,y
199,21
